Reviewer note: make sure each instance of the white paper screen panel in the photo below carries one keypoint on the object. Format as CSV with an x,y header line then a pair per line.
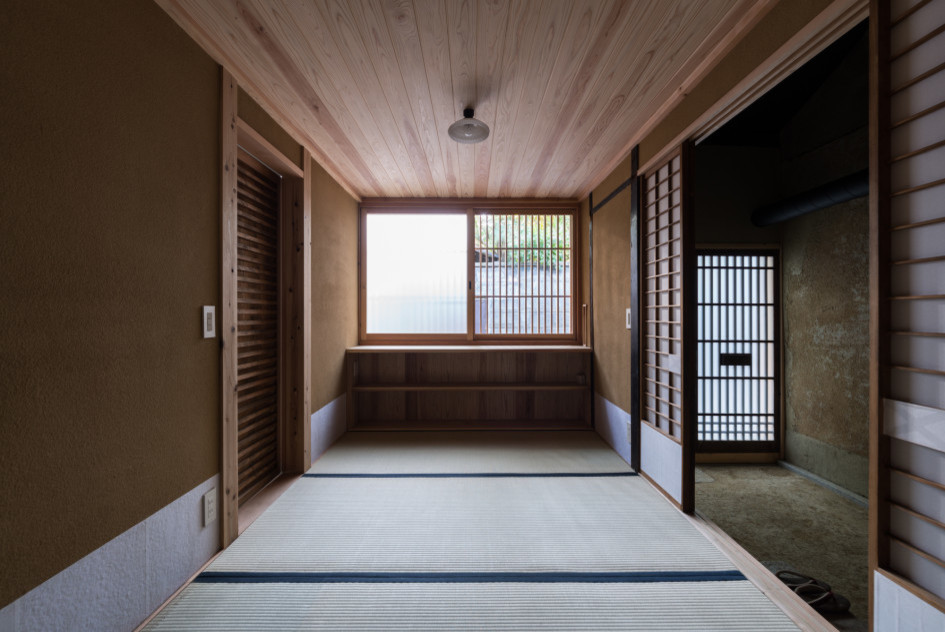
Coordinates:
x,y
919,206
917,133
917,460
920,169
917,496
915,26
919,60
911,527
919,388
917,352
915,99
919,278
911,563
914,408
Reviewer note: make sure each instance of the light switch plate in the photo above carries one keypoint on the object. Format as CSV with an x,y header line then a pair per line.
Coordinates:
x,y
209,321
628,318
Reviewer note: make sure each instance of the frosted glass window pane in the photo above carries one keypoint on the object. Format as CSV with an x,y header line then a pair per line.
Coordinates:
x,y
416,274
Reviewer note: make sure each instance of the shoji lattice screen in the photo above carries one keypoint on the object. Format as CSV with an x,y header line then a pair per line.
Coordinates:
x,y
664,450
908,198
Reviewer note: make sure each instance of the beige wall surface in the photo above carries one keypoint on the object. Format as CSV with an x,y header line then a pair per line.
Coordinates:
x,y
612,272
257,118
109,245
826,343
334,284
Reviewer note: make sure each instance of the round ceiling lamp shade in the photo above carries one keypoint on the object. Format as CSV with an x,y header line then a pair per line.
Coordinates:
x,y
468,130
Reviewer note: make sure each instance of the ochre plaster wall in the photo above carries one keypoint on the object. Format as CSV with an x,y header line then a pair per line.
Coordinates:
x,y
612,289
109,245
257,118
334,284
826,343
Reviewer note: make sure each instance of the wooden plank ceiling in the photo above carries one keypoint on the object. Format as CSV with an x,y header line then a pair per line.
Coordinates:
x,y
370,87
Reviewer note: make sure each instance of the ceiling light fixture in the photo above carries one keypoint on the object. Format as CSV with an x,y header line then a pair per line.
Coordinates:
x,y
468,130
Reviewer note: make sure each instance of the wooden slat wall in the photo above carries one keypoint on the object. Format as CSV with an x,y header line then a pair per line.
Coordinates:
x,y
257,325
662,405
908,526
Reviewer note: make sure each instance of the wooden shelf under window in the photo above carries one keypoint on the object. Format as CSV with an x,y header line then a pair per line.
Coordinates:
x,y
470,424
457,387
520,386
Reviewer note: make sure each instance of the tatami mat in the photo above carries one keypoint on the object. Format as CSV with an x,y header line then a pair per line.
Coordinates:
x,y
471,524
701,606
471,530
470,452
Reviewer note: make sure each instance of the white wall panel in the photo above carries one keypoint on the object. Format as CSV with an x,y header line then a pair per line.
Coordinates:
x,y
119,584
611,423
898,610
661,459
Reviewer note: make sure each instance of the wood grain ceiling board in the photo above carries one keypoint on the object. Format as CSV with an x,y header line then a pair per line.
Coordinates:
x,y
370,86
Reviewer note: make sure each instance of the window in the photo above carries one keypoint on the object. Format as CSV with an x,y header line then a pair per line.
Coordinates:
x,y
738,350
459,274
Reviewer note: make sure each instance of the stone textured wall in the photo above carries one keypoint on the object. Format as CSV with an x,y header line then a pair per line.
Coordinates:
x,y
826,343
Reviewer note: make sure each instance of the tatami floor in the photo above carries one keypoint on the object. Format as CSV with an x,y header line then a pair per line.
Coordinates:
x,y
472,530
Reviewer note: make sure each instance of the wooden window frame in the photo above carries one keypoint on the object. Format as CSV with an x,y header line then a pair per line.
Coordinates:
x,y
469,208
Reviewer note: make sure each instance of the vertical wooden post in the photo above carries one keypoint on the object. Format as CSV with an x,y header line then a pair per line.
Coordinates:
x,y
635,272
304,261
229,523
879,203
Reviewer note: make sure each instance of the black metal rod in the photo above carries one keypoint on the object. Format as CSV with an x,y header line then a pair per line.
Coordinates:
x,y
841,190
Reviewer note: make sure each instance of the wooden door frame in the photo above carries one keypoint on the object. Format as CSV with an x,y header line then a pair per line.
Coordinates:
x,y
295,263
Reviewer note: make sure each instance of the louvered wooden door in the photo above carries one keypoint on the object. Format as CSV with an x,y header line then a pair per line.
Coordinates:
x,y
257,325
907,504
665,432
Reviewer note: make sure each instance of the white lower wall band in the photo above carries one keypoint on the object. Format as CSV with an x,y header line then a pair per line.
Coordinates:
x,y
898,610
328,423
122,582
661,460
611,423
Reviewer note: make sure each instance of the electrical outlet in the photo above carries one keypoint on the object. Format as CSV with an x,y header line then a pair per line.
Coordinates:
x,y
210,506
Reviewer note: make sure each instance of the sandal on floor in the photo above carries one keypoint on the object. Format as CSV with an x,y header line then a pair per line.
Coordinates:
x,y
824,601
795,580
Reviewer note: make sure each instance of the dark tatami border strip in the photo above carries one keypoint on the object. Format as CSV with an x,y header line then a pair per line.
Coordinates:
x,y
223,577
477,475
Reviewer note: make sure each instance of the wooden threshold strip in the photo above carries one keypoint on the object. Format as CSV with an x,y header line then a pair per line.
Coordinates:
x,y
764,580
